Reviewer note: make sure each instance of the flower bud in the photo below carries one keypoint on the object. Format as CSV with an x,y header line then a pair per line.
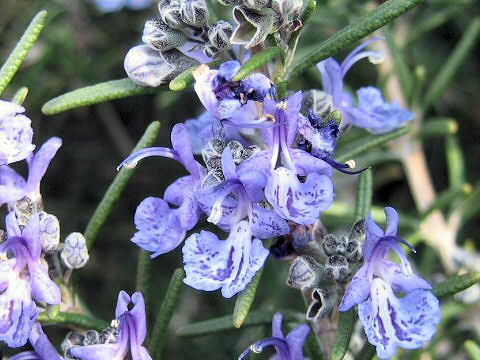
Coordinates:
x,y
170,13
324,301
92,337
329,244
161,37
25,208
304,273
253,26
210,51
151,68
219,35
75,253
287,7
336,268
353,252
109,335
49,231
194,12
73,338
258,4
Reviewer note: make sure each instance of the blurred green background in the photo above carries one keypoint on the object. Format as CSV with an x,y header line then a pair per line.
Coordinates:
x,y
81,46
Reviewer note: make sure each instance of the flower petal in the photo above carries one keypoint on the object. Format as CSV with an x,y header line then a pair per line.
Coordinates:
x,y
207,197
392,221
296,201
332,79
265,223
12,185
374,234
43,288
296,340
392,322
138,313
358,290
182,145
306,164
401,281
201,131
96,352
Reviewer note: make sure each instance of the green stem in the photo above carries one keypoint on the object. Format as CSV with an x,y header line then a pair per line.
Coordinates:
x,y
364,195
144,272
157,339
73,319
117,187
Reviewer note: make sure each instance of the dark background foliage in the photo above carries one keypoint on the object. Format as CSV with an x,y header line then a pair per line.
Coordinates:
x,y
82,46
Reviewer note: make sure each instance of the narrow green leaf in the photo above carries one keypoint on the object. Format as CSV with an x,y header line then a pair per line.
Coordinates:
x,y
367,353
469,208
360,28
453,63
473,349
257,61
116,188
244,301
225,323
94,94
346,325
438,127
401,66
23,47
312,346
415,96
158,335
186,80
456,284
144,272
370,142
308,11
364,195
446,198
73,319
455,162
20,96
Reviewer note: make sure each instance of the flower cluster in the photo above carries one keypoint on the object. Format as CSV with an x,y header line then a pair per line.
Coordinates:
x,y
32,235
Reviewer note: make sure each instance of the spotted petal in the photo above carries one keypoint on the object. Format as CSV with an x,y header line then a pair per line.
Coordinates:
x,y
392,322
358,290
297,201
267,223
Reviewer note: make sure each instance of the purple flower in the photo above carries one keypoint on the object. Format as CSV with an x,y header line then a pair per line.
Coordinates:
x,y
211,263
160,227
43,348
372,112
13,187
15,133
390,321
132,328
107,6
287,348
225,98
25,244
17,309
301,201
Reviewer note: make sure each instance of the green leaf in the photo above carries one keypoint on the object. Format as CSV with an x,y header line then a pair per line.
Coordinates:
x,y
94,94
144,272
473,349
244,301
170,301
446,198
308,11
453,63
116,188
346,325
73,319
455,162
186,79
354,32
224,323
456,284
20,96
367,353
257,61
364,195
23,47
370,142
438,127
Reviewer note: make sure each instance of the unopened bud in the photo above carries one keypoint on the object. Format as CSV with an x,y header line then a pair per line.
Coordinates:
x,y
25,208
194,12
49,231
253,26
170,13
210,50
323,302
336,268
257,4
219,35
75,253
92,337
161,37
304,273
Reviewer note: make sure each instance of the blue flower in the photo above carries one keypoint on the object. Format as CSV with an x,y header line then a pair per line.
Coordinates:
x,y
15,133
160,227
372,112
26,246
288,347
225,98
132,327
13,187
391,321
117,5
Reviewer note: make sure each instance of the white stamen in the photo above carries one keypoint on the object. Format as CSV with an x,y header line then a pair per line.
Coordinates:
x,y
216,213
377,59
115,323
282,105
